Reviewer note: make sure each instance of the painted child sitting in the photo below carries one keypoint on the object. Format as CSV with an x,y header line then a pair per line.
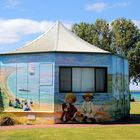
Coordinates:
x,y
69,110
87,108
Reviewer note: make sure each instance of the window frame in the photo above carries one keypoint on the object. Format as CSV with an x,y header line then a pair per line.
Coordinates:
x,y
71,67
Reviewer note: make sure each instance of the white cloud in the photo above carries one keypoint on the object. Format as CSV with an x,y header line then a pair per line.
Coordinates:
x,y
10,4
137,23
101,6
121,5
13,30
97,7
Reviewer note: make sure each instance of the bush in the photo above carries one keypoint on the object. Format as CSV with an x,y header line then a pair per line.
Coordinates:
x,y
7,119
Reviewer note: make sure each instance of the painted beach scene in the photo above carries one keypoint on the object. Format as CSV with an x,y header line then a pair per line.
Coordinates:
x,y
24,87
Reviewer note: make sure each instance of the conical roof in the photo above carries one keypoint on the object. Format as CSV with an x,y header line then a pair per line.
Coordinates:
x,y
59,39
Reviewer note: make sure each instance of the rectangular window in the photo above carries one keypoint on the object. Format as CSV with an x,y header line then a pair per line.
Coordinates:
x,y
76,79
83,79
101,80
65,79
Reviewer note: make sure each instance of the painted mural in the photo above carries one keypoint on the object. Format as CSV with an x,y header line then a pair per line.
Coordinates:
x,y
27,86
83,108
32,83
70,112
93,107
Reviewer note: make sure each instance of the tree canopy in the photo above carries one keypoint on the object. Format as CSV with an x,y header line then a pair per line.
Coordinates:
x,y
121,36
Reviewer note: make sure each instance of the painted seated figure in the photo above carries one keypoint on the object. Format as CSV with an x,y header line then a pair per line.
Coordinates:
x,y
69,110
26,107
11,102
87,108
17,103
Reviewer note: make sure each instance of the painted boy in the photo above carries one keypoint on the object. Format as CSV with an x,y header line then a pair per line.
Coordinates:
x,y
87,108
69,110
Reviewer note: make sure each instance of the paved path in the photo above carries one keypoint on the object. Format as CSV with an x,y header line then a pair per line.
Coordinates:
x,y
20,127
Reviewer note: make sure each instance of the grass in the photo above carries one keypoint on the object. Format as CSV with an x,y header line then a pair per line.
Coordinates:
x,y
135,108
87,133
96,133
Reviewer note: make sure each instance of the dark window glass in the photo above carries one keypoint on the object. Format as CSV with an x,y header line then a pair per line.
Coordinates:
x,y
65,79
101,81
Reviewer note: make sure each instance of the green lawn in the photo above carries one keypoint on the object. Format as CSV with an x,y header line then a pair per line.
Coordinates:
x,y
97,133
88,133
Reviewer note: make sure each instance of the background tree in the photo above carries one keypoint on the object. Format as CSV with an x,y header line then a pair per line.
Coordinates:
x,y
122,37
134,62
84,31
102,34
97,34
125,35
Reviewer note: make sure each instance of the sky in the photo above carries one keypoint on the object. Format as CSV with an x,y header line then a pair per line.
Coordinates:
x,y
21,21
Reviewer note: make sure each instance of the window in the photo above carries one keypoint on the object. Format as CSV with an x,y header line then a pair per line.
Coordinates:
x,y
65,79
76,79
83,79
101,80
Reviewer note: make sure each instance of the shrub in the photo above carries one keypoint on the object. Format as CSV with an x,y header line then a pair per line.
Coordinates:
x,y
7,119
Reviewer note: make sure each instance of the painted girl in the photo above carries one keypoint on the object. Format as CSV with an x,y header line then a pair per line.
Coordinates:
x,y
69,110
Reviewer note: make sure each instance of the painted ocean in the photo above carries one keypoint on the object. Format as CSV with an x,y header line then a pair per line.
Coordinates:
x,y
35,84
135,95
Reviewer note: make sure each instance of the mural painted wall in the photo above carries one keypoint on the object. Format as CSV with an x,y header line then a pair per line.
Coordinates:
x,y
83,107
31,82
27,82
121,97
